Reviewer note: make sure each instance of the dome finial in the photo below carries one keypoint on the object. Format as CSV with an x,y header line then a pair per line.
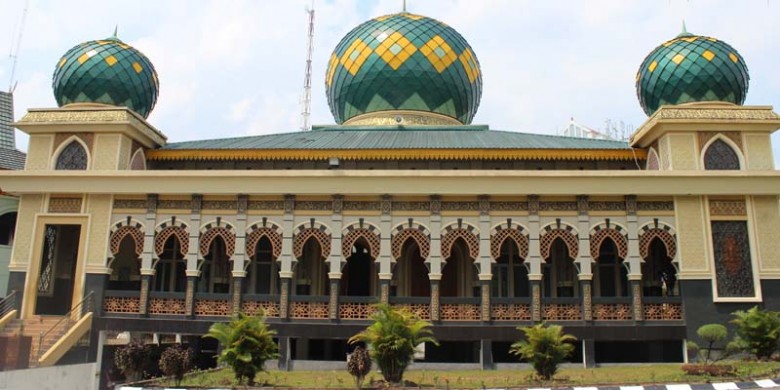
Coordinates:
x,y
684,32
404,6
116,28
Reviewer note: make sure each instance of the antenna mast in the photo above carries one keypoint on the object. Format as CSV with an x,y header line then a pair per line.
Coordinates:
x,y
306,98
15,50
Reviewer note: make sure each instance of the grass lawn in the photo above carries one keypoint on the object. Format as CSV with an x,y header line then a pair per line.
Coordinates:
x,y
621,374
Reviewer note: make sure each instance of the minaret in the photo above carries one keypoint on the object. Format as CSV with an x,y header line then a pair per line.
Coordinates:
x,y
7,136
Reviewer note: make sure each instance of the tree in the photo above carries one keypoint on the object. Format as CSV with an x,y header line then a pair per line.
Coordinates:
x,y
246,344
359,365
758,331
131,359
545,347
176,361
711,334
392,338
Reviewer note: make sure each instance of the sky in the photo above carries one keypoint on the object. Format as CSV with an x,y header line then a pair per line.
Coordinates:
x,y
236,67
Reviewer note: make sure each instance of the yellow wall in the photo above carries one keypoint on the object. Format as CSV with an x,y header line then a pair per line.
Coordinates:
x,y
766,215
758,152
99,208
683,151
106,151
692,237
39,152
29,206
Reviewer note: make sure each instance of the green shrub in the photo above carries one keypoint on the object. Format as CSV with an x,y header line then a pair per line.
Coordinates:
x,y
392,337
758,331
246,344
359,365
709,369
545,346
176,361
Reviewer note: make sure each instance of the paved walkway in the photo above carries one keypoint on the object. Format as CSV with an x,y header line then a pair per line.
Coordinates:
x,y
759,384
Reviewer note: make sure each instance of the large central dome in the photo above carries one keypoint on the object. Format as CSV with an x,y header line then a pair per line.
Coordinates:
x,y
403,65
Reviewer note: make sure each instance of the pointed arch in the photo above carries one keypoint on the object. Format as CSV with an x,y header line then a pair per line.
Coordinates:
x,y
72,154
311,229
170,228
565,232
659,230
721,153
410,230
361,229
212,230
138,161
123,228
469,233
508,231
653,162
618,234
261,229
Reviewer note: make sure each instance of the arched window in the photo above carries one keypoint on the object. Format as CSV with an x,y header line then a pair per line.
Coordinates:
x,y
611,274
7,228
720,156
262,275
457,279
72,157
659,276
126,267
410,278
215,273
169,272
559,272
652,163
310,273
138,162
510,275
359,275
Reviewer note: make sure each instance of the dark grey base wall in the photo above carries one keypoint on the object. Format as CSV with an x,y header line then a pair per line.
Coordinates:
x,y
16,283
700,309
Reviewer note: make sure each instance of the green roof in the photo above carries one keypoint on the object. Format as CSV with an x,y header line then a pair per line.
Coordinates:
x,y
399,137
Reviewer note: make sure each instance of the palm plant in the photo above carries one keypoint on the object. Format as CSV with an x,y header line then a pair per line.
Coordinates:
x,y
392,339
246,344
545,347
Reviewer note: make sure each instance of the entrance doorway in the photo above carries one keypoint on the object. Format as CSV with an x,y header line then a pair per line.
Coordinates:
x,y
54,292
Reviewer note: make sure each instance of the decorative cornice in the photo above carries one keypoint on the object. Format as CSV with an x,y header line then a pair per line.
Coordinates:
x,y
395,154
89,115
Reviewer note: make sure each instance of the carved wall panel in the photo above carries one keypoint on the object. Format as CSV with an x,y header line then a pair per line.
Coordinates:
x,y
733,269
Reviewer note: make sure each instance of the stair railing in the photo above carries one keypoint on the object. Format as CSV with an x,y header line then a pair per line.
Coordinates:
x,y
74,315
8,303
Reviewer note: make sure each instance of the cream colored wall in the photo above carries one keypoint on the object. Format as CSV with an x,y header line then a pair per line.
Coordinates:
x,y
106,151
125,146
683,151
692,237
99,209
758,152
39,152
29,206
766,221
663,154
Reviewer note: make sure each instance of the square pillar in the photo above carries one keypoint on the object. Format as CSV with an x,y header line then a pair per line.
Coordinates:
x,y
486,355
636,299
284,296
238,282
333,300
435,316
484,286
189,297
384,290
536,300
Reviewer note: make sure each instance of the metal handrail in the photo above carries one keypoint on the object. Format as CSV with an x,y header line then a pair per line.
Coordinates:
x,y
8,303
85,306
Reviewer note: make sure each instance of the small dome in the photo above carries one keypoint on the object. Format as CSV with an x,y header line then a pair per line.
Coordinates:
x,y
691,68
107,71
404,63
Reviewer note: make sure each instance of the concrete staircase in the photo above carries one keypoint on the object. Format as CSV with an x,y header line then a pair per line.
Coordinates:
x,y
34,327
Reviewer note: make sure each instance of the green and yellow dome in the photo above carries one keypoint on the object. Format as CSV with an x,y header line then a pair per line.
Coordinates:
x,y
691,68
107,71
403,64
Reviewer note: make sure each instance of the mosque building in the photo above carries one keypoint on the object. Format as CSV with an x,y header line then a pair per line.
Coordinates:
x,y
630,245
